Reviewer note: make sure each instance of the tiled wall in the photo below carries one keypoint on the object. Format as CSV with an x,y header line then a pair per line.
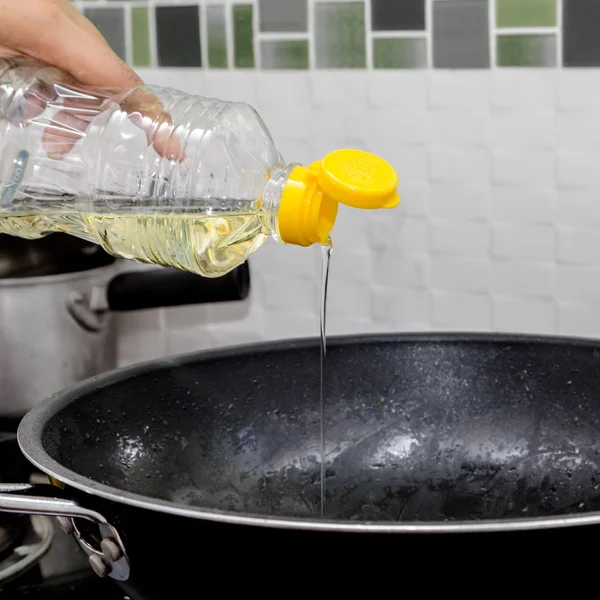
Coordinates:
x,y
358,34
488,110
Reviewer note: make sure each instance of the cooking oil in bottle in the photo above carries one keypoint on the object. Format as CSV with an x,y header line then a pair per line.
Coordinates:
x,y
209,245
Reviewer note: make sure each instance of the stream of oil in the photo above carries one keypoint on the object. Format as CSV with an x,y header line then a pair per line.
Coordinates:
x,y
327,250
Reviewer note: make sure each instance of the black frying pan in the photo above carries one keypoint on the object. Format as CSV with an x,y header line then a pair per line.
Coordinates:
x,y
479,442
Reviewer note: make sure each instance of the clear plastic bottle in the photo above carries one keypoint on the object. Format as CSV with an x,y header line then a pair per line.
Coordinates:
x,y
159,176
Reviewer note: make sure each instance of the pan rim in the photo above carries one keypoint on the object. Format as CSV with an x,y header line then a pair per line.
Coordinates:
x,y
32,425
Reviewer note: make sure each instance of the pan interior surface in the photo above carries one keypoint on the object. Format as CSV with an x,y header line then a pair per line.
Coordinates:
x,y
417,430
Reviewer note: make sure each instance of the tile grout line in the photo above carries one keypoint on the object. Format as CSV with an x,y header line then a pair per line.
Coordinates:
x,y
310,26
127,25
154,62
525,31
492,34
203,28
285,36
228,8
559,33
400,35
429,33
255,30
368,35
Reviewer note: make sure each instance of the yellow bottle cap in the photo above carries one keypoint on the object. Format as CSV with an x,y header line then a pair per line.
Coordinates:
x,y
310,198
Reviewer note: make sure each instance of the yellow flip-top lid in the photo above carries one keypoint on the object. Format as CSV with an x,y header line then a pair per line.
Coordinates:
x,y
310,199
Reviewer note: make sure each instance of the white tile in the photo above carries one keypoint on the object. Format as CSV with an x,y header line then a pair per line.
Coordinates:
x,y
524,88
281,126
348,298
523,278
414,198
394,305
576,283
579,246
458,165
460,126
394,270
579,319
328,122
462,201
454,274
524,167
578,88
335,88
578,130
524,316
524,205
578,169
285,324
295,294
408,235
525,242
237,87
522,128
397,89
282,89
462,312
458,237
399,127
351,264
578,207
459,89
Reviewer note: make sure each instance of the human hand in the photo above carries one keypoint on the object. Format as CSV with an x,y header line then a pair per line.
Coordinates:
x,y
55,33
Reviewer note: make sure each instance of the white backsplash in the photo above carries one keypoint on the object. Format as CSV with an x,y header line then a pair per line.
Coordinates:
x,y
498,228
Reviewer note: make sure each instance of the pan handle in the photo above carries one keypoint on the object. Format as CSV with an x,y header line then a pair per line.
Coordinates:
x,y
42,499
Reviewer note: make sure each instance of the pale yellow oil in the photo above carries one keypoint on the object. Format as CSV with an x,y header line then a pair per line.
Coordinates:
x,y
207,244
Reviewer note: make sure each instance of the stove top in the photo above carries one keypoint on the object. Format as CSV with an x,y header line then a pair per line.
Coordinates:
x,y
37,559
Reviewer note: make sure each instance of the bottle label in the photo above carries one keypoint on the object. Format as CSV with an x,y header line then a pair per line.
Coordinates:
x,y
16,176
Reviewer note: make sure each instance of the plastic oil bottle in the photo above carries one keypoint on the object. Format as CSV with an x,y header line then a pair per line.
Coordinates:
x,y
159,176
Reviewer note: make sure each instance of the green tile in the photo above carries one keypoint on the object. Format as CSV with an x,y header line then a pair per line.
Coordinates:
x,y
289,54
526,50
243,36
400,53
140,34
526,13
340,35
217,39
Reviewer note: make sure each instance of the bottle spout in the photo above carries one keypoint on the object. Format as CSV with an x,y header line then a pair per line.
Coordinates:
x,y
312,195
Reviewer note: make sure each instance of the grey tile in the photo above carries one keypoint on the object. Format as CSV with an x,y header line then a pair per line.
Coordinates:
x,y
526,50
397,15
581,33
340,35
178,36
461,34
400,53
217,38
284,54
283,15
111,24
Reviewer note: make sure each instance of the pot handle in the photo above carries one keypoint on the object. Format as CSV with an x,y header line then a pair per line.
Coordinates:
x,y
161,288
42,499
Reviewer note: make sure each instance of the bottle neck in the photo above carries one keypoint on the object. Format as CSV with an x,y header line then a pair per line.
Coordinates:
x,y
271,196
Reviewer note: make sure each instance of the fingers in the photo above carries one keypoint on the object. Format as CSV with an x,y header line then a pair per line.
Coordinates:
x,y
147,112
57,34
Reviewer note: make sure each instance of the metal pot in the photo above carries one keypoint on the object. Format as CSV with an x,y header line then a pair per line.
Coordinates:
x,y
59,329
